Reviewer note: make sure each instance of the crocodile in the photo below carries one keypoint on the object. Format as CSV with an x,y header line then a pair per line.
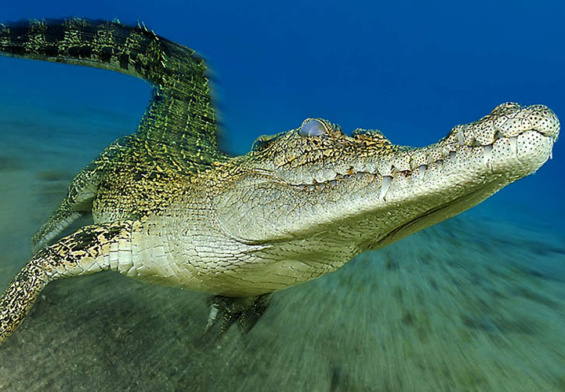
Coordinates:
x,y
169,207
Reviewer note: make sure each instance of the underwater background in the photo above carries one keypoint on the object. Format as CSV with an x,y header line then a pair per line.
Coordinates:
x,y
473,304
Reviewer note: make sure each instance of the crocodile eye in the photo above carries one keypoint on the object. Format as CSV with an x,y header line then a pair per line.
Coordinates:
x,y
312,128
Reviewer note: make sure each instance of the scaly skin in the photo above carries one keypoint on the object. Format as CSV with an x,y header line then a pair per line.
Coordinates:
x,y
170,208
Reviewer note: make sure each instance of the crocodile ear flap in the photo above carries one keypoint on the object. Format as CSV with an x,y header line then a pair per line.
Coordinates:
x,y
262,142
372,134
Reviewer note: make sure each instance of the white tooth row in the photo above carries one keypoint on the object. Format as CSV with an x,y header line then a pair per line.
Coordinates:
x,y
370,177
476,137
419,162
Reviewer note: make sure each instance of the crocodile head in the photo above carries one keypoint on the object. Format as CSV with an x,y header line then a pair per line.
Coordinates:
x,y
315,193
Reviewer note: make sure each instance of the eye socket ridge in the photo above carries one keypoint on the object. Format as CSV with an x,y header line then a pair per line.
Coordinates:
x,y
313,127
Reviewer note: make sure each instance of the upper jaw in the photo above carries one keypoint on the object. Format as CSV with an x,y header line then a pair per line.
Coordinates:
x,y
508,129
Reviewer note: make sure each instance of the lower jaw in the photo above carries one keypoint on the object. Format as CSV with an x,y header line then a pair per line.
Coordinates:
x,y
438,214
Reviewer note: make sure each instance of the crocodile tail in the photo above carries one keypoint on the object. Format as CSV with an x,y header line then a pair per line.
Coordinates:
x,y
135,51
181,110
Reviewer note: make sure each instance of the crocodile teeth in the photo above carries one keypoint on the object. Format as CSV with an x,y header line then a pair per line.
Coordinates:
x,y
487,153
460,137
423,169
385,185
514,145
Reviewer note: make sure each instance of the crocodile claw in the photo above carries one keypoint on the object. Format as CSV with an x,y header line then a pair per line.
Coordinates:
x,y
245,310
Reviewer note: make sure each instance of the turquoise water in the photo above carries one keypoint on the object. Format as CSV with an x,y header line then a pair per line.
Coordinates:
x,y
473,304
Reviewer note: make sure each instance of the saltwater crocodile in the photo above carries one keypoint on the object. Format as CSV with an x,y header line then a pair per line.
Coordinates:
x,y
170,208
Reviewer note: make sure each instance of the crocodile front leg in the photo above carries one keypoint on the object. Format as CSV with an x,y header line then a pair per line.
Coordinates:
x,y
245,310
77,203
89,250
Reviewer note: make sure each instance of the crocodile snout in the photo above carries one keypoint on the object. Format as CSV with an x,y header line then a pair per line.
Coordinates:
x,y
508,120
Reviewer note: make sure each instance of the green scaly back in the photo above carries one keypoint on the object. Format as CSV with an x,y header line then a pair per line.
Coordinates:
x,y
176,138
181,114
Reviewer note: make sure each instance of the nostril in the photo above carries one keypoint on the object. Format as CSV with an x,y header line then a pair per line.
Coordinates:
x,y
547,123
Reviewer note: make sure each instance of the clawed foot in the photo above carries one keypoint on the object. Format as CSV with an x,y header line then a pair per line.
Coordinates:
x,y
245,310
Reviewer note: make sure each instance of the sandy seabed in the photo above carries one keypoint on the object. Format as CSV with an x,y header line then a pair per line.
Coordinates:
x,y
467,305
